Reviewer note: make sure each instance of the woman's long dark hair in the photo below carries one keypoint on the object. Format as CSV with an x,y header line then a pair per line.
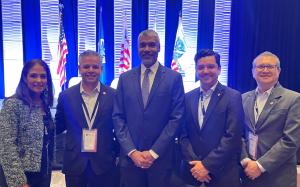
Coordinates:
x,y
24,93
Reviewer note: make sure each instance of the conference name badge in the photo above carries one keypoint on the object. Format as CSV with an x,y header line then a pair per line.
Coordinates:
x,y
89,140
253,140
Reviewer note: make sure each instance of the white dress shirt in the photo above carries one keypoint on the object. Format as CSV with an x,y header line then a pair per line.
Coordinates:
x,y
151,74
203,102
90,100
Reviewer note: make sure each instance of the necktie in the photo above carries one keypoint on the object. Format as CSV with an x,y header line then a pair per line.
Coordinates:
x,y
146,86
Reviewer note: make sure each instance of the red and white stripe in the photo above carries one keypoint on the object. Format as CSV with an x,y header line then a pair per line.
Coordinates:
x,y
174,66
125,58
61,68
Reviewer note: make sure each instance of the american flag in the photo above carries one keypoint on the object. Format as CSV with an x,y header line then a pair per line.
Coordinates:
x,y
125,60
179,48
62,50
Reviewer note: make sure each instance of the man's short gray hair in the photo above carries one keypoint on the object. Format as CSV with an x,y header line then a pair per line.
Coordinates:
x,y
149,32
267,53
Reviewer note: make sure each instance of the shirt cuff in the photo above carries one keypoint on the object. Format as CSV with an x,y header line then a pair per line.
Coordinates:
x,y
130,152
153,154
262,169
244,161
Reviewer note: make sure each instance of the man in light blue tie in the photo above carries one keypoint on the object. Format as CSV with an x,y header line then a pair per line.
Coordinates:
x,y
148,111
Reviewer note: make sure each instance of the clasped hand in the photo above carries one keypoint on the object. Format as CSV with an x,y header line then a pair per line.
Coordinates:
x,y
252,170
142,159
199,172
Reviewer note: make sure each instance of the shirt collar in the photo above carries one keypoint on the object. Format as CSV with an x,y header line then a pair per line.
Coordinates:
x,y
265,93
210,91
97,89
153,68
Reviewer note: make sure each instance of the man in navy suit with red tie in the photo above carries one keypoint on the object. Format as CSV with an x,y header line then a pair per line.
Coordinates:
x,y
148,111
211,142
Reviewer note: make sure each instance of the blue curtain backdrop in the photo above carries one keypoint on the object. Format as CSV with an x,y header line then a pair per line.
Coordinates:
x,y
256,26
31,29
139,23
173,9
206,24
2,91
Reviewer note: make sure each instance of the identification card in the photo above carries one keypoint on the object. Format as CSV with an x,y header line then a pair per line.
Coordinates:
x,y
89,140
253,140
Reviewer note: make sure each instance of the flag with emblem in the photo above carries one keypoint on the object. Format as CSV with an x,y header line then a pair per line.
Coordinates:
x,y
179,48
101,48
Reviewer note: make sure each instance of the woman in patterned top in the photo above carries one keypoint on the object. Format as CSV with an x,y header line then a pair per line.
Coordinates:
x,y
27,129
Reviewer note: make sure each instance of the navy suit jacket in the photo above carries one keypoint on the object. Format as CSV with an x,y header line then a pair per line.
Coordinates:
x,y
70,117
153,127
218,143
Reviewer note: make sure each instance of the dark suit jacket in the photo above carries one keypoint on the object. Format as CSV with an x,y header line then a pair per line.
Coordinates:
x,y
278,130
70,116
155,126
218,143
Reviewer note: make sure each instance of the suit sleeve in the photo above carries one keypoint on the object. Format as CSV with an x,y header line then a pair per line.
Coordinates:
x,y
186,146
119,120
175,118
60,116
9,155
288,144
230,143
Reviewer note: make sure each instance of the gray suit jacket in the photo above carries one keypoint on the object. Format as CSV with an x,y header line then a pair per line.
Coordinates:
x,y
278,130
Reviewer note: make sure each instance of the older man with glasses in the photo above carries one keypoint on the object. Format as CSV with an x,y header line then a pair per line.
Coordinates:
x,y
272,128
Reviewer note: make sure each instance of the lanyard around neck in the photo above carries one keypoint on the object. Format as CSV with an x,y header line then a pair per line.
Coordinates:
x,y
91,118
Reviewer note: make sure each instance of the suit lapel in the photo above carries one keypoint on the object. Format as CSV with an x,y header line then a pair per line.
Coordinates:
x,y
250,108
194,108
78,110
136,78
158,77
270,104
101,106
215,98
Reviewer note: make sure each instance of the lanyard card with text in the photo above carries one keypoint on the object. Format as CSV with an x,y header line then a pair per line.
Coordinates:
x,y
89,140
253,140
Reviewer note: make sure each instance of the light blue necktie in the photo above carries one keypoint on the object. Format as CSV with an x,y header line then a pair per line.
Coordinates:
x,y
146,86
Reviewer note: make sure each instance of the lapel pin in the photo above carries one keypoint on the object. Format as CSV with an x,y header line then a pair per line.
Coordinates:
x,y
104,93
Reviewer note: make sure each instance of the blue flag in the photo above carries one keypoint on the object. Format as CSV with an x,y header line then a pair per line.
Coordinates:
x,y
101,48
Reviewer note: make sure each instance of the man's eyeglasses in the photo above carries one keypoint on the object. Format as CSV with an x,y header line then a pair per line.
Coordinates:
x,y
268,67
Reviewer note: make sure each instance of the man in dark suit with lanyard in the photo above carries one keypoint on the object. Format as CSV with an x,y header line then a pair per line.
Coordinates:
x,y
211,142
85,112
148,110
